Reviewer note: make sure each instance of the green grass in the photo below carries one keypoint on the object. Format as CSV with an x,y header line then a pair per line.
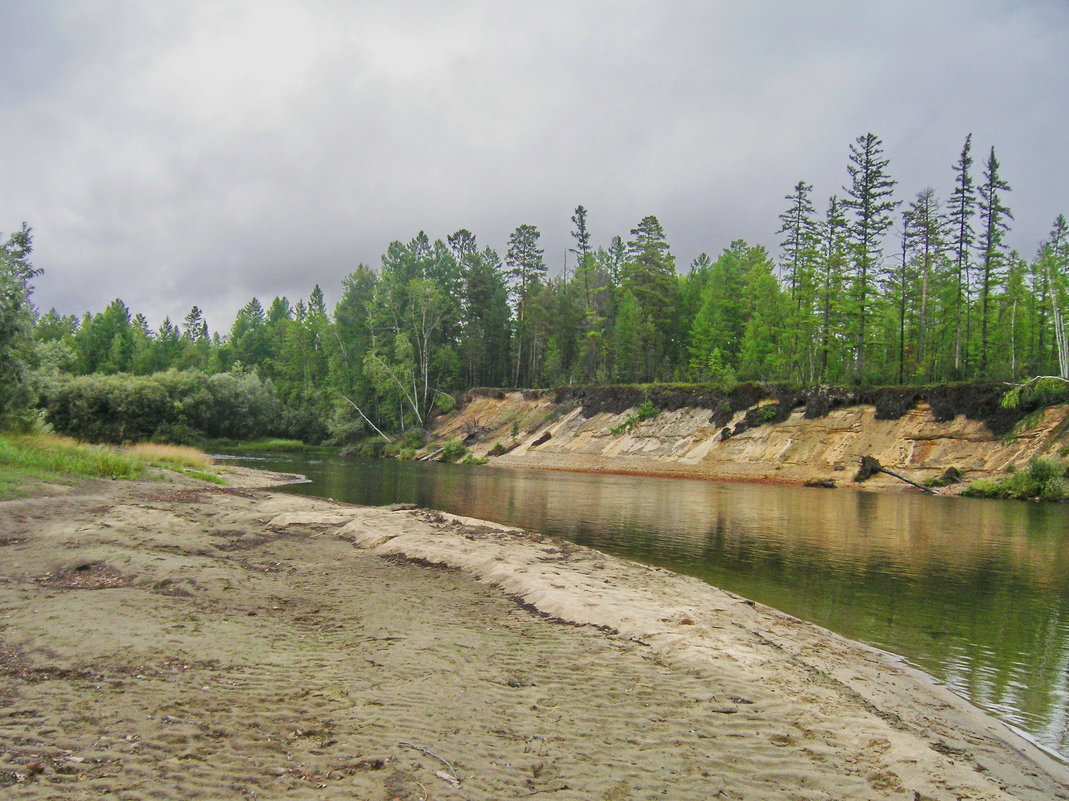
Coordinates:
x,y
26,459
268,444
51,454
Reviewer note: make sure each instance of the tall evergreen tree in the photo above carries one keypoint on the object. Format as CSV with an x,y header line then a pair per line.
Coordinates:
x,y
800,242
484,343
962,210
800,251
525,268
16,327
649,275
525,265
993,221
830,281
924,237
868,199
581,235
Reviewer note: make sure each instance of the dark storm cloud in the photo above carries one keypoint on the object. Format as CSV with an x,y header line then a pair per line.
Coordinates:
x,y
181,153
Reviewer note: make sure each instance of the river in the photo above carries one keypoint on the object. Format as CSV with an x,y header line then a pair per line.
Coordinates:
x,y
975,592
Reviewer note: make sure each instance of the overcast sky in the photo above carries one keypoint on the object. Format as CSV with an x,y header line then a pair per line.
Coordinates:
x,y
176,152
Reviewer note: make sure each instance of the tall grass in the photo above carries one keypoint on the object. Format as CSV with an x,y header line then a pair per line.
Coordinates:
x,y
52,454
170,455
269,444
49,457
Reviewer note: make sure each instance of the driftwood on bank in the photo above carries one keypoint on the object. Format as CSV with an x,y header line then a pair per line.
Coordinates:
x,y
870,466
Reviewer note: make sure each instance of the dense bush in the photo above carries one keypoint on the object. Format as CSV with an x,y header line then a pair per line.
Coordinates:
x,y
452,451
1045,479
175,406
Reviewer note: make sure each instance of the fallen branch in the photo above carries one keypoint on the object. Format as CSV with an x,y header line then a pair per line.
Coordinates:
x,y
366,420
545,790
870,466
452,771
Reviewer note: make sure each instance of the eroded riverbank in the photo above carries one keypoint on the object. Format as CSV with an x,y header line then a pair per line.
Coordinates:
x,y
196,642
757,437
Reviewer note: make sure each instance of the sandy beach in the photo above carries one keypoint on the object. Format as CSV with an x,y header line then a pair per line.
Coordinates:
x,y
180,640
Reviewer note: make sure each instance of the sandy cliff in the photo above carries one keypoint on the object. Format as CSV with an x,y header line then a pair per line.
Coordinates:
x,y
542,430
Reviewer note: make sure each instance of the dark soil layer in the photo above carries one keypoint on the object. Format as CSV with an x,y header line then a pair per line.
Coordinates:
x,y
978,401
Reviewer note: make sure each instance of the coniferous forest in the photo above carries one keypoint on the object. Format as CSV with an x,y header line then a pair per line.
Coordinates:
x,y
867,287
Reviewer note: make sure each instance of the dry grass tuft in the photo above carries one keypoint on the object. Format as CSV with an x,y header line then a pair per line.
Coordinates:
x,y
179,455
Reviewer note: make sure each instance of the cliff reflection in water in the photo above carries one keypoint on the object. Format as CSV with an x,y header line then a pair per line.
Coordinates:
x,y
973,591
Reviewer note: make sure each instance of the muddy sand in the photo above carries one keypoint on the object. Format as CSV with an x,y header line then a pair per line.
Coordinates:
x,y
177,640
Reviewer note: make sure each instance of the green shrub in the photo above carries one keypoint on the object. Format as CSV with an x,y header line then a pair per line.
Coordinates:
x,y
1037,393
1044,480
176,434
501,450
471,458
766,413
982,488
445,402
645,411
133,408
411,440
452,451
370,448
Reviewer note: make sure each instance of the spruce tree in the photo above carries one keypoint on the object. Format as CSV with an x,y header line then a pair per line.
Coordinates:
x,y
649,275
993,220
868,199
525,264
799,245
830,281
924,237
525,268
962,209
16,327
798,262
581,235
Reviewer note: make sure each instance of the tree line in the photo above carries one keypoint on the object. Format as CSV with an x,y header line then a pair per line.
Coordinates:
x,y
872,290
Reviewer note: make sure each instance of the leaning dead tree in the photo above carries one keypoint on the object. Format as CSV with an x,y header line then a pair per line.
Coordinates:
x,y
870,466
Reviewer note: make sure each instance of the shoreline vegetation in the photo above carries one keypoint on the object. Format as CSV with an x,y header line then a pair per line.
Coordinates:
x,y
982,440
266,643
27,460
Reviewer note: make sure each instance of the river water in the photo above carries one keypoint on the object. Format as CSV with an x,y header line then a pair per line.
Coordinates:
x,y
975,592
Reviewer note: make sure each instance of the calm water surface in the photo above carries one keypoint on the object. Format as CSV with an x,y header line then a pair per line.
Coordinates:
x,y
975,592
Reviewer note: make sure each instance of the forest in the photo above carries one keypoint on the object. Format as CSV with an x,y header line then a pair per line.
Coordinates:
x,y
871,290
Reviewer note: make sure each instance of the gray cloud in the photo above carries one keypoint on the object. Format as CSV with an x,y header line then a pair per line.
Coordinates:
x,y
181,153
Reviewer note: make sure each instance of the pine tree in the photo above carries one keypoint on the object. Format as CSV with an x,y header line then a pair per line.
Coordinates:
x,y
250,343
484,343
525,264
868,199
830,281
627,340
924,237
193,325
993,217
525,268
16,327
581,235
800,242
798,262
649,275
962,209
